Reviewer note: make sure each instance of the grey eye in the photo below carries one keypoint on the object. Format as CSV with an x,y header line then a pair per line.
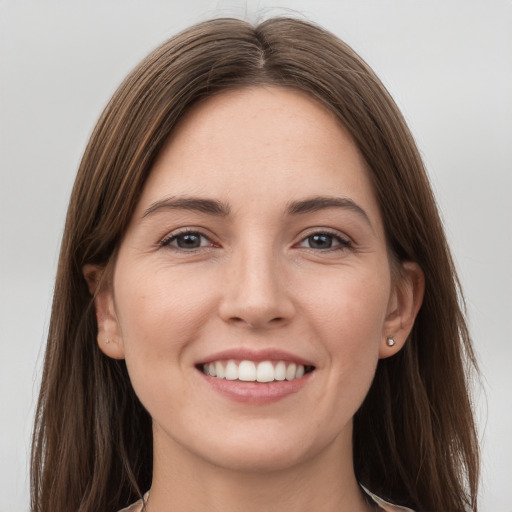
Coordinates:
x,y
187,241
320,241
325,241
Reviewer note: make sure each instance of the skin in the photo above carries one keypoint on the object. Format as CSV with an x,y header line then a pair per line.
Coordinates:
x,y
256,281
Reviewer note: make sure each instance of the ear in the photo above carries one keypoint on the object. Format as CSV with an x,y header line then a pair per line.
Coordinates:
x,y
109,340
405,301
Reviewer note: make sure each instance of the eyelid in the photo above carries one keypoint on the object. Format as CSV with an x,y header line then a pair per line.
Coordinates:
x,y
173,235
345,241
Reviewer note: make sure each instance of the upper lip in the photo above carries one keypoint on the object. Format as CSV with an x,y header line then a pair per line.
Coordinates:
x,y
244,354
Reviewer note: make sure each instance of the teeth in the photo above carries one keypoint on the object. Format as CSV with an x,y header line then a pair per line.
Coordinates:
x,y
219,370
231,371
249,371
265,372
291,371
280,371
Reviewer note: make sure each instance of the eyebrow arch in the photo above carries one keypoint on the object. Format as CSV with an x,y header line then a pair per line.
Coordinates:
x,y
317,203
209,206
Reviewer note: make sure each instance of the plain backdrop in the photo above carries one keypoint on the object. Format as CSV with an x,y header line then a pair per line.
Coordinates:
x,y
448,65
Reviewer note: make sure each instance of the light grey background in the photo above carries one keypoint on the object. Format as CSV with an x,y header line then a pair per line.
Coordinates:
x,y
447,63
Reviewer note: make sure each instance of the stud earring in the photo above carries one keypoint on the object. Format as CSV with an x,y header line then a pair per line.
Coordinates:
x,y
107,341
390,341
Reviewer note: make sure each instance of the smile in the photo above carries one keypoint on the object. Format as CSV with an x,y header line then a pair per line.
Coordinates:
x,y
251,371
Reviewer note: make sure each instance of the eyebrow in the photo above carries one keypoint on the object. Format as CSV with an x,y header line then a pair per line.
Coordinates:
x,y
214,207
317,203
209,206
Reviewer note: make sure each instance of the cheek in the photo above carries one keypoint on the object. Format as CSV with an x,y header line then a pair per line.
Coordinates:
x,y
349,321
352,327
159,315
159,312
352,305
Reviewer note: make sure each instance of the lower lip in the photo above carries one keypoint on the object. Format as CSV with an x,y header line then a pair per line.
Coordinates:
x,y
257,393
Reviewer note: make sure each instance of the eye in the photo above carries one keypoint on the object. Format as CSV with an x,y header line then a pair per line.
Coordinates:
x,y
187,241
324,241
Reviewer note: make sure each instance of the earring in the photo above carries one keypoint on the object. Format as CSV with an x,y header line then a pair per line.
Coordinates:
x,y
107,341
390,341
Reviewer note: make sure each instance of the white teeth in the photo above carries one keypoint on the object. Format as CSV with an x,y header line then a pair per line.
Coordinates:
x,y
231,371
290,371
265,372
219,370
248,371
280,371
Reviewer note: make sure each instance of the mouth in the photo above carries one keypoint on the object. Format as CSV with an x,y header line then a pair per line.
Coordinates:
x,y
255,371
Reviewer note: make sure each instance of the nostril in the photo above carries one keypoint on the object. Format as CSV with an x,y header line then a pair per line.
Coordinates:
x,y
257,322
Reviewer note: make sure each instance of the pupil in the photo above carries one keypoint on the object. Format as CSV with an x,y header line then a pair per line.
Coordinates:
x,y
320,241
189,241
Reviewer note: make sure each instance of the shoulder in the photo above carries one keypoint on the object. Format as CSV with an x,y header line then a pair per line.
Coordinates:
x,y
385,505
134,507
137,506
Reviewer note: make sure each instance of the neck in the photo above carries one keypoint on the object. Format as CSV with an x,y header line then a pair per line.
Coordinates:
x,y
325,483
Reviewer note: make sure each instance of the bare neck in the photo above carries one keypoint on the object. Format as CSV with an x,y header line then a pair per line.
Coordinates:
x,y
185,482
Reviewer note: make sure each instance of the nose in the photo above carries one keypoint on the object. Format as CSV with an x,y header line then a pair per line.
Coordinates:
x,y
255,292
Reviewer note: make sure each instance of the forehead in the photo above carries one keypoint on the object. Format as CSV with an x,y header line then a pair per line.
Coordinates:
x,y
255,122
264,144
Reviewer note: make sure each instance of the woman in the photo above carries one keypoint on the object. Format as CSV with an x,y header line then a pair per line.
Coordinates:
x,y
255,304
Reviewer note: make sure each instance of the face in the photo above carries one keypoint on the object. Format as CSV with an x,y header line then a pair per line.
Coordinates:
x,y
252,294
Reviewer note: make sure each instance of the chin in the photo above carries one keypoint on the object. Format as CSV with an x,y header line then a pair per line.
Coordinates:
x,y
259,459
261,450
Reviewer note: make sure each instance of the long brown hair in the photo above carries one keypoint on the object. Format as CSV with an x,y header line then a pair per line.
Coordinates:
x,y
414,436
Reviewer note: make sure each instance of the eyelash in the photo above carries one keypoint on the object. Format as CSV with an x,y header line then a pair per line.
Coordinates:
x,y
167,241
342,243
